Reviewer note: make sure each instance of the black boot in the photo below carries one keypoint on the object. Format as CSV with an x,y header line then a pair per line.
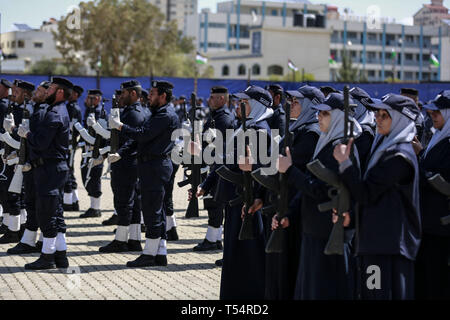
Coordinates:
x,y
91,213
219,263
75,206
134,246
45,262
113,221
22,248
172,234
39,245
142,262
114,247
143,228
3,229
67,207
219,245
61,260
161,261
206,246
10,237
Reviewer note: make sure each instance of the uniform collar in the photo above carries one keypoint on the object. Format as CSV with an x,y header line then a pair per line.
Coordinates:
x,y
160,109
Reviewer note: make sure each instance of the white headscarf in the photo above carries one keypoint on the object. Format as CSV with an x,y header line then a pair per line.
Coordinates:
x,y
403,130
440,135
307,116
336,130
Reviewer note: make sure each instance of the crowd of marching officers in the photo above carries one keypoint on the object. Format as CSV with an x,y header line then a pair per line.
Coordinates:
x,y
396,232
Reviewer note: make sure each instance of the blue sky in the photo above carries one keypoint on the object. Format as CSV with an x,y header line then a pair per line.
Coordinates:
x,y
34,12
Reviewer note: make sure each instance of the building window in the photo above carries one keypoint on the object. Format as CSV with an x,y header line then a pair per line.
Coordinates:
x,y
38,45
242,70
13,44
275,70
256,70
274,12
225,70
20,44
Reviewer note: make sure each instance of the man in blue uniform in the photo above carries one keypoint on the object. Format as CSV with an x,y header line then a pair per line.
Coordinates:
x,y
278,120
221,119
28,242
22,92
70,189
49,145
154,169
124,175
94,185
5,85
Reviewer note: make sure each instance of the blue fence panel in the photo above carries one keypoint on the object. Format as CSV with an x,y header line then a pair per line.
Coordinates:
x,y
185,86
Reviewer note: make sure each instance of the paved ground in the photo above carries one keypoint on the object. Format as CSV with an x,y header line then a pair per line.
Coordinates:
x,y
189,276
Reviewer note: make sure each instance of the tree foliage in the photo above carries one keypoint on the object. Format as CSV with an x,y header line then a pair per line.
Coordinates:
x,y
130,37
347,73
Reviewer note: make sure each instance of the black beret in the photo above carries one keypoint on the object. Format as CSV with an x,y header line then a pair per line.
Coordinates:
x,y
62,82
6,83
164,85
410,91
145,93
78,90
25,85
95,92
276,88
182,98
45,84
133,84
219,89
118,92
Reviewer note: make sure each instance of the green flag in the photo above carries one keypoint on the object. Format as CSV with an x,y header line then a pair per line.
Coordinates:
x,y
434,61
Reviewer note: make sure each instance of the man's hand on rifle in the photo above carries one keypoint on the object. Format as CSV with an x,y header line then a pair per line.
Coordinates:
x,y
347,219
27,167
90,121
98,161
284,223
256,206
200,193
342,152
246,163
112,158
115,123
8,123
23,131
11,156
417,146
284,163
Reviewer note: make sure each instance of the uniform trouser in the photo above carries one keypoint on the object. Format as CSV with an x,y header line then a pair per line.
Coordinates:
x,y
94,186
215,213
137,207
396,277
168,197
10,201
30,201
153,177
123,183
71,183
49,183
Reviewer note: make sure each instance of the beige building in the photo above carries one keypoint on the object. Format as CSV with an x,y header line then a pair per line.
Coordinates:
x,y
431,14
26,46
270,51
177,10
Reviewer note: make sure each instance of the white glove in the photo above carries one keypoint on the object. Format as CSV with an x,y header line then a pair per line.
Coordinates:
x,y
114,158
90,121
23,131
11,156
115,123
98,161
8,123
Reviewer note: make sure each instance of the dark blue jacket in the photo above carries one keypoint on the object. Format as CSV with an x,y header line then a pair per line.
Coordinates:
x,y
315,192
389,222
278,120
50,138
435,205
133,116
154,137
